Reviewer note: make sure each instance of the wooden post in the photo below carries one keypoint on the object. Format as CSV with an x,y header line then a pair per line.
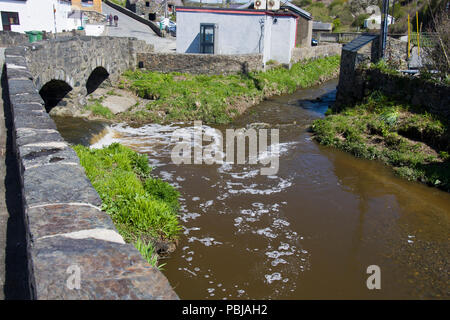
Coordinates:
x,y
409,38
418,36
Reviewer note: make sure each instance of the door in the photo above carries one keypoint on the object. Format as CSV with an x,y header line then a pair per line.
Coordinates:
x,y
207,37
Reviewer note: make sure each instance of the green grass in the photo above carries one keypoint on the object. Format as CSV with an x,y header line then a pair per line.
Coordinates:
x,y
99,110
215,98
147,251
142,208
413,142
119,2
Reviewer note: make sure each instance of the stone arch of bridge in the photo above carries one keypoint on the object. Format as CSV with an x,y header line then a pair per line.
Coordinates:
x,y
53,91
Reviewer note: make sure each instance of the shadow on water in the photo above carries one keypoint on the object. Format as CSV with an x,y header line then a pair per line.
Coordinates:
x,y
17,283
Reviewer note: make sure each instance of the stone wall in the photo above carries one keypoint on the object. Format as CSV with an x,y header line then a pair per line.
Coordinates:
x,y
68,235
324,50
200,63
397,53
356,80
10,38
431,97
351,80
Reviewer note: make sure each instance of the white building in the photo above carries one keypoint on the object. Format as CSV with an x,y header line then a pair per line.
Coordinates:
x,y
374,21
237,31
40,15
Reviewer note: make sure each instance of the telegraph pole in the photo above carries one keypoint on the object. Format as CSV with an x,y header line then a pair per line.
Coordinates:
x,y
384,27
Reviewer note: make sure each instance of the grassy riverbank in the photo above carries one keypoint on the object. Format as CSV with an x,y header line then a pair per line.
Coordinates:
x,y
415,143
216,98
143,209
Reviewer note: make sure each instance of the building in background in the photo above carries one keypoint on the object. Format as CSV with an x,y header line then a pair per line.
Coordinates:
x,y
149,9
374,21
41,15
87,5
304,21
237,31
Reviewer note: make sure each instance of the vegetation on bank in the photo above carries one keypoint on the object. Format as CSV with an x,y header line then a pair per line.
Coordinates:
x,y
217,98
143,209
121,3
415,143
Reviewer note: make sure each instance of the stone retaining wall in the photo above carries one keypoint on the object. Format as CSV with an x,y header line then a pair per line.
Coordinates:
x,y
68,236
356,81
11,38
324,50
432,97
200,63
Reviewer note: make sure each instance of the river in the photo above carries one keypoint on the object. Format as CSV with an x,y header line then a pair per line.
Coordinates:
x,y
308,232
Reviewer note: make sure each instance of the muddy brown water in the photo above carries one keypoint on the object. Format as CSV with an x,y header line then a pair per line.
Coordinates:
x,y
309,232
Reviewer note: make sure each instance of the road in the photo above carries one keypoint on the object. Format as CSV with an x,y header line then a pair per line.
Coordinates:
x,y
129,27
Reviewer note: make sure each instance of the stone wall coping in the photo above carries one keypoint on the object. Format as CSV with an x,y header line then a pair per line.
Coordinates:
x,y
68,236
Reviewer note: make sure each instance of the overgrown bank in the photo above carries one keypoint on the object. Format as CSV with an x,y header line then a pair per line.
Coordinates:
x,y
415,143
216,99
143,209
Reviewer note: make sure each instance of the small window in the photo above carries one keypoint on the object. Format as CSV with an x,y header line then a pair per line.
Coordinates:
x,y
147,4
207,36
87,3
10,18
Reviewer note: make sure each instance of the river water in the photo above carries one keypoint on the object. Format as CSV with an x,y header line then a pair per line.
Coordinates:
x,y
308,232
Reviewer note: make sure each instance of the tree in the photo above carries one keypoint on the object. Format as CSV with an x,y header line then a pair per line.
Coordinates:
x,y
439,51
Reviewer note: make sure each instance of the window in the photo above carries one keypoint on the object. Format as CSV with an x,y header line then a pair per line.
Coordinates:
x,y
207,36
87,3
147,4
10,18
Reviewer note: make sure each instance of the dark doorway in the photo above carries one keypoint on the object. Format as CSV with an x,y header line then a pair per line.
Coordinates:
x,y
53,92
96,78
207,35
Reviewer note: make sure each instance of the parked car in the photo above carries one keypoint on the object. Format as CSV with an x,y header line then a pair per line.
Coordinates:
x,y
314,42
169,26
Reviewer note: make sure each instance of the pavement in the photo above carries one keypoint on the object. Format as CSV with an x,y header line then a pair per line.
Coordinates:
x,y
128,27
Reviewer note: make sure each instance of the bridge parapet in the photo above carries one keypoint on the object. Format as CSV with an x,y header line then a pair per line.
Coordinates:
x,y
74,250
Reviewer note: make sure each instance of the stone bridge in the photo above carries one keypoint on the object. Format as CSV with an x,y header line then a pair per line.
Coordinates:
x,y
73,67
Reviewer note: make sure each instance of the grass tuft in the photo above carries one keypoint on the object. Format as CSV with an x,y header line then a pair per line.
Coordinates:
x,y
140,206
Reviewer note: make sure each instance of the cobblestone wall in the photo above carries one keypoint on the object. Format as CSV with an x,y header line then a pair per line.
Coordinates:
x,y
323,50
10,38
200,63
74,250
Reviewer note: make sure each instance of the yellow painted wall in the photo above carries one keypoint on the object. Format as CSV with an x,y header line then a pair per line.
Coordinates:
x,y
76,4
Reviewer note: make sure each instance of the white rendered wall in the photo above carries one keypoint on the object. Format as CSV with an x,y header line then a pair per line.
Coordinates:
x,y
38,15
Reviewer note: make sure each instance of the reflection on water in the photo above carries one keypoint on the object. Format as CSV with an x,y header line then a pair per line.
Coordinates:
x,y
310,231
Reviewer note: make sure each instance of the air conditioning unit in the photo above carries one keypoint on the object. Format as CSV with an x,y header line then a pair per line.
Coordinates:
x,y
273,5
260,4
